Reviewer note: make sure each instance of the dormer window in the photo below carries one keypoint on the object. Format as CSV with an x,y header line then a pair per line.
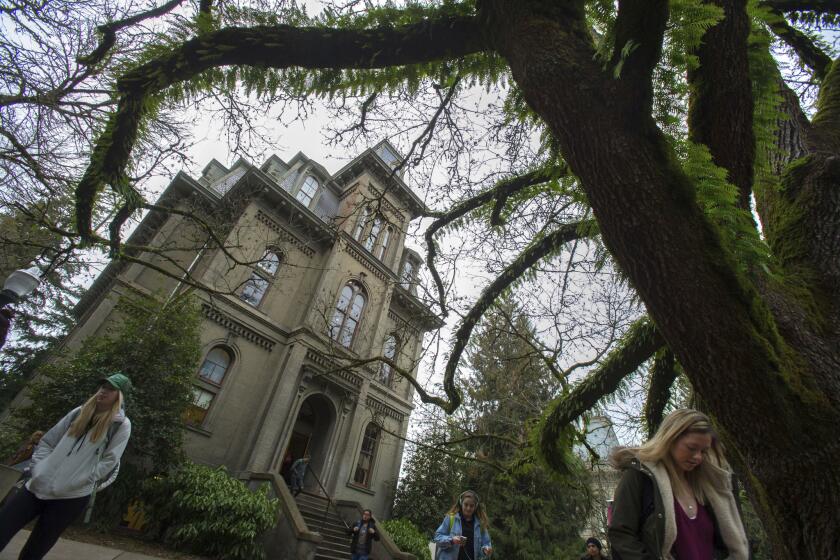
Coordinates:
x,y
407,276
388,155
307,190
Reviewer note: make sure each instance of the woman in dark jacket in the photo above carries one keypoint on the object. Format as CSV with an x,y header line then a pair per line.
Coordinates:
x,y
675,497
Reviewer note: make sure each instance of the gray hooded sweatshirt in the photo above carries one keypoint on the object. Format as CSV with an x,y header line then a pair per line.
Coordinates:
x,y
65,467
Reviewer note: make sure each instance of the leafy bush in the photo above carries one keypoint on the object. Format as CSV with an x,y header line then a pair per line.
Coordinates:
x,y
408,538
205,511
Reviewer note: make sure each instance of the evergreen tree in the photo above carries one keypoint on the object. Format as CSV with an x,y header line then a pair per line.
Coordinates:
x,y
535,513
432,479
157,346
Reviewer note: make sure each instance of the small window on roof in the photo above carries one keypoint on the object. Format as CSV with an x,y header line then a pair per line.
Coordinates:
x,y
307,190
388,155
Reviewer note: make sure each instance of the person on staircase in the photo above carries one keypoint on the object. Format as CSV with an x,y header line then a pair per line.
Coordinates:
x,y
364,533
298,471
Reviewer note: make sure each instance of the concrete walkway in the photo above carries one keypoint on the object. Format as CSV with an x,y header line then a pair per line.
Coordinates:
x,y
72,550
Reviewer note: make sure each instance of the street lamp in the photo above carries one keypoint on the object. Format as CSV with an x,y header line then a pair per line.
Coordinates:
x,y
19,284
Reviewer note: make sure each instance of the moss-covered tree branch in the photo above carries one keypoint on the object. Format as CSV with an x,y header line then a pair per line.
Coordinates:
x,y
500,192
640,343
663,372
721,100
639,32
809,53
109,31
540,249
826,121
279,46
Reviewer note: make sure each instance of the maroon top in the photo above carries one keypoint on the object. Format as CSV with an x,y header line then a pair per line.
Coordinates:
x,y
695,537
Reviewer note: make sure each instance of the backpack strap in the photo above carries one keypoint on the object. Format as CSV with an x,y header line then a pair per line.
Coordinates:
x,y
451,522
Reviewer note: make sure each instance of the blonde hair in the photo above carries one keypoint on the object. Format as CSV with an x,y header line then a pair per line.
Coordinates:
x,y
479,508
101,421
658,450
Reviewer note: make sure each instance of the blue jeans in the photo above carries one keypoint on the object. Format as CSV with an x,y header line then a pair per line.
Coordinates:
x,y
359,556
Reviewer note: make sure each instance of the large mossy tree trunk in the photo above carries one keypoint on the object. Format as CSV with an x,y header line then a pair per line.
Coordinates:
x,y
762,351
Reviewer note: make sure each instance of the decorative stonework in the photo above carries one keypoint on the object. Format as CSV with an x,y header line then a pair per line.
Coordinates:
x,y
365,262
384,409
284,234
403,324
237,328
347,375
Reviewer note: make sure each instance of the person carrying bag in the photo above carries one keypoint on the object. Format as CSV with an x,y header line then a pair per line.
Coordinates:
x,y
77,457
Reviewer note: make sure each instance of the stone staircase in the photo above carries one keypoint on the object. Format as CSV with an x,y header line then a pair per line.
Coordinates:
x,y
336,543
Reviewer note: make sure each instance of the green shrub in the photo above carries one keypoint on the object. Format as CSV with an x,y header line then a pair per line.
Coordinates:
x,y
205,511
408,538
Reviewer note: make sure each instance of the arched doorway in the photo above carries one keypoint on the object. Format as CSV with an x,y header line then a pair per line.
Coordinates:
x,y
311,434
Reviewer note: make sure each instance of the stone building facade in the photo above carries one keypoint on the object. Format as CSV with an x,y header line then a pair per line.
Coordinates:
x,y
314,273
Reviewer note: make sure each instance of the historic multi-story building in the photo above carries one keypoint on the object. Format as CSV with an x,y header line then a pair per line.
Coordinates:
x,y
311,273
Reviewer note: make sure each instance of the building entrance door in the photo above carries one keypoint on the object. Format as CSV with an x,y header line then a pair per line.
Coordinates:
x,y
311,435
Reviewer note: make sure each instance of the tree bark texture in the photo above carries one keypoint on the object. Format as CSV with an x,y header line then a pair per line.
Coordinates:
x,y
776,400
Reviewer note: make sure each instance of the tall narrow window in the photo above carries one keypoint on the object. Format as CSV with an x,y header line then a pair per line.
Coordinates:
x,y
364,217
254,289
348,313
382,246
407,276
367,455
215,366
373,233
307,190
389,350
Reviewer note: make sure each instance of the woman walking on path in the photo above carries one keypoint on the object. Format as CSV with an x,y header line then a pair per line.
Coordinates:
x,y
463,533
675,497
70,462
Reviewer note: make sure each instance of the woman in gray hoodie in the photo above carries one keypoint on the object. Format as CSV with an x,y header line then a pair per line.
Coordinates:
x,y
72,460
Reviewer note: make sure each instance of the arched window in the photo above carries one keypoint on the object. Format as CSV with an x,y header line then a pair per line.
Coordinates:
x,y
270,262
382,246
389,350
206,388
367,455
215,365
307,190
364,217
256,286
348,313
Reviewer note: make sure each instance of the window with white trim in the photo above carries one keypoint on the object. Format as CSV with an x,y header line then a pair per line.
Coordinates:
x,y
254,289
373,234
389,350
367,455
308,190
348,313
381,250
210,377
215,365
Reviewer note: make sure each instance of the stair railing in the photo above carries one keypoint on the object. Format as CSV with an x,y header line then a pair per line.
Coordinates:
x,y
330,502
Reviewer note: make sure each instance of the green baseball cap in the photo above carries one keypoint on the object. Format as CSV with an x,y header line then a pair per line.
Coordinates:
x,y
119,381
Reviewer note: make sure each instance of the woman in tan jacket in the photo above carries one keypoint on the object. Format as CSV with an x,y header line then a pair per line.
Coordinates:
x,y
675,497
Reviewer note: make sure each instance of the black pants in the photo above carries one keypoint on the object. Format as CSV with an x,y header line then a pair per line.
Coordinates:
x,y
53,517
